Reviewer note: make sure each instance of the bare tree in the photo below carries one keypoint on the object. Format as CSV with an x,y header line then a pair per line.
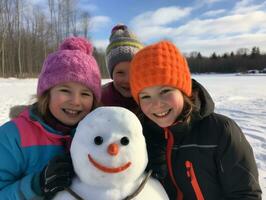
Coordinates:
x,y
242,52
85,23
18,8
28,33
5,9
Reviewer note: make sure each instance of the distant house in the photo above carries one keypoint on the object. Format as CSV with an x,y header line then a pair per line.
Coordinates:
x,y
253,71
263,71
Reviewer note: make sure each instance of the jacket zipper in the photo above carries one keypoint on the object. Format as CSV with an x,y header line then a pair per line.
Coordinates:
x,y
170,142
193,180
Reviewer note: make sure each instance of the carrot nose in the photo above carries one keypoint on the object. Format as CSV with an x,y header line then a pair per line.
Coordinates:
x,y
113,149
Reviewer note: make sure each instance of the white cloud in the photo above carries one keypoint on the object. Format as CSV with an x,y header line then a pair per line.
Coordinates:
x,y
153,32
100,44
234,24
204,3
221,45
211,1
246,6
34,2
88,7
161,16
213,13
243,3
227,33
98,22
222,35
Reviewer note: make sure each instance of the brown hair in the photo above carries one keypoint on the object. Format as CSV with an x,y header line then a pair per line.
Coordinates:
x,y
42,103
188,108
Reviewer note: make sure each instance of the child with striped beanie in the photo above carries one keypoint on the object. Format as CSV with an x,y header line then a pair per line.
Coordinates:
x,y
119,53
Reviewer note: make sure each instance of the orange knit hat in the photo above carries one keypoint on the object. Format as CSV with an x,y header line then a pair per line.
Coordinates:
x,y
159,64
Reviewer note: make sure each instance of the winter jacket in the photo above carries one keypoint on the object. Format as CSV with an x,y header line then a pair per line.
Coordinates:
x,y
209,158
26,146
111,97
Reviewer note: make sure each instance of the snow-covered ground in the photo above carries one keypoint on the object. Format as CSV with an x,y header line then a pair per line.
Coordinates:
x,y
242,98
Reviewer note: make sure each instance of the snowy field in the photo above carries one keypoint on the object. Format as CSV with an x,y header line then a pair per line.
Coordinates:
x,y
242,98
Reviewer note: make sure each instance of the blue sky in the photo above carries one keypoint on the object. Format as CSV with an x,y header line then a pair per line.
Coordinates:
x,y
193,25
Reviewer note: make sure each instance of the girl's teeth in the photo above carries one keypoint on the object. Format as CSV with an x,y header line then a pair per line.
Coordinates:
x,y
72,112
162,114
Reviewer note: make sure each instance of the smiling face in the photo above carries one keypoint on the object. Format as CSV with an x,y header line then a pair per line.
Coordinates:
x,y
121,78
70,102
113,150
109,148
162,104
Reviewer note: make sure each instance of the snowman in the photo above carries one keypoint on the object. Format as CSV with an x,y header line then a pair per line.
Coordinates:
x,y
109,157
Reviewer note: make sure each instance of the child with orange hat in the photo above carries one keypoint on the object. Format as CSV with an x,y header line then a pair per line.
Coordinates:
x,y
206,154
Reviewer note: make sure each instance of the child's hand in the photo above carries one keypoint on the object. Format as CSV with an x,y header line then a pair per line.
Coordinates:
x,y
159,171
57,175
157,163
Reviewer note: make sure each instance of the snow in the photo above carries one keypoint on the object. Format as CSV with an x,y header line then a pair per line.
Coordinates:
x,y
243,98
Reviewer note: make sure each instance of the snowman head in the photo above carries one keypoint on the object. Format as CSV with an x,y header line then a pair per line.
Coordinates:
x,y
108,148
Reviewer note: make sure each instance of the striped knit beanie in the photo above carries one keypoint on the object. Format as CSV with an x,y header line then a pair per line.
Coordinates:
x,y
159,64
123,46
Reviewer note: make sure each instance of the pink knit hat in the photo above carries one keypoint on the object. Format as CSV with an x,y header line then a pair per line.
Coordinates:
x,y
72,62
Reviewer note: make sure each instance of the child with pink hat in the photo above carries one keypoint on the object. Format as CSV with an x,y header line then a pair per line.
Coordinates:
x,y
35,144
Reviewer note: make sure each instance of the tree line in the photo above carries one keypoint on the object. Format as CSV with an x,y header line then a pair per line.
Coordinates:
x,y
240,61
29,33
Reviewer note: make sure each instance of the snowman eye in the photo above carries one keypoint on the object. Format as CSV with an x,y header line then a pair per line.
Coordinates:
x,y
124,141
98,140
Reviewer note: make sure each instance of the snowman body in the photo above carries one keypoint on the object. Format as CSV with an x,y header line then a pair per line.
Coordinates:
x,y
109,157
152,190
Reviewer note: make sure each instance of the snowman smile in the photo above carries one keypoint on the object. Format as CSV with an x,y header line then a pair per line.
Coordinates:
x,y
109,169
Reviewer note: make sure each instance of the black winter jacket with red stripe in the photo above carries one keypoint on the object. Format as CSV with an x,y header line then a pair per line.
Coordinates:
x,y
210,158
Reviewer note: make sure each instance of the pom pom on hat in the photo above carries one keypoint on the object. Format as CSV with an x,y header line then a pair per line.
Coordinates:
x,y
77,43
123,46
72,62
159,64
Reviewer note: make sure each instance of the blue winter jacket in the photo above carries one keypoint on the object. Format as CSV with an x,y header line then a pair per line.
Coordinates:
x,y
26,146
